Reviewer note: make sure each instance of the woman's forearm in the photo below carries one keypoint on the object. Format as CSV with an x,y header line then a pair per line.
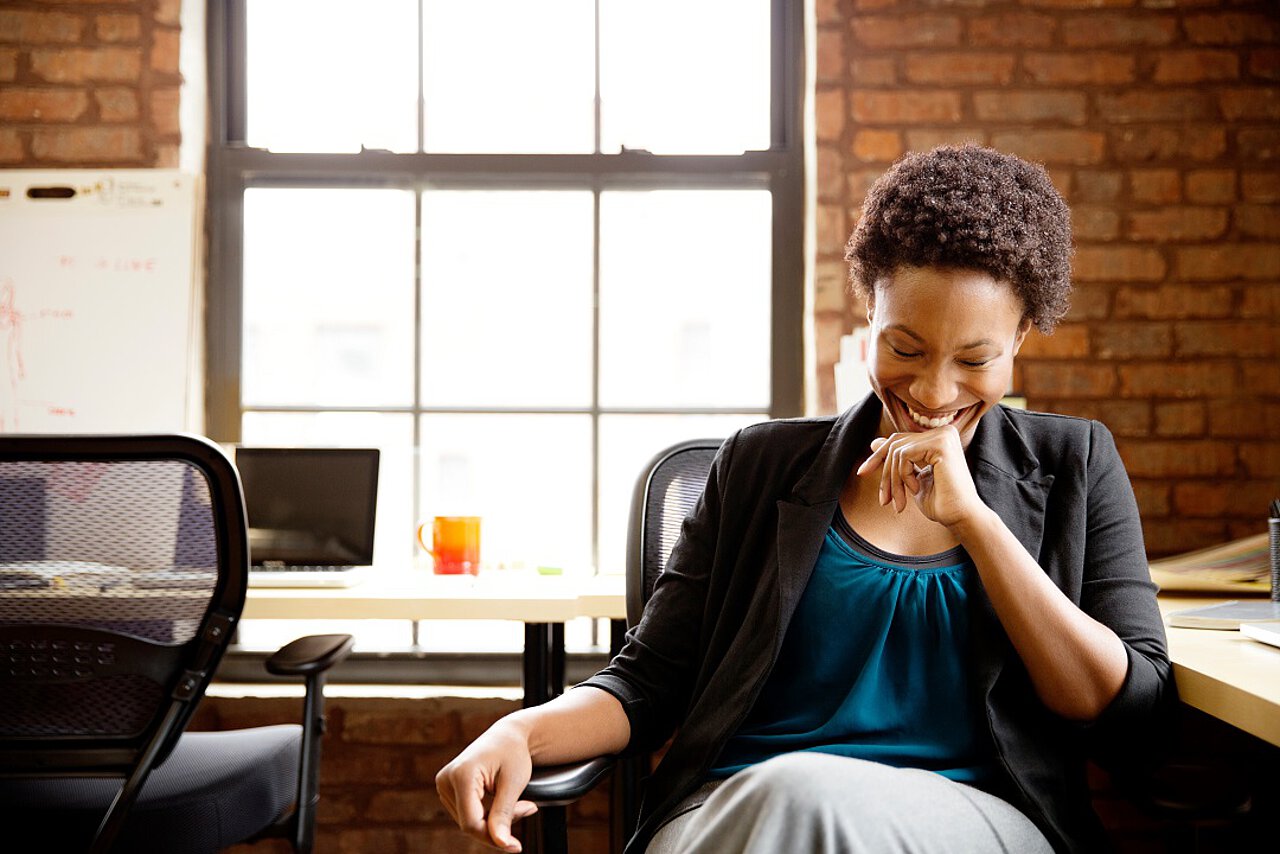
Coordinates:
x,y
579,724
1076,663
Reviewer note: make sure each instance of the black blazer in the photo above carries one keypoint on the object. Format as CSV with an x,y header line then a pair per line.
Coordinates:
x,y
712,629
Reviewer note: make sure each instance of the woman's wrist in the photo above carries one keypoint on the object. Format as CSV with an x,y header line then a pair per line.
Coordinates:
x,y
977,525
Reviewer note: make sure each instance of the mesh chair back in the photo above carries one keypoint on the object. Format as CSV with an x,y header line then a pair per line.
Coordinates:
x,y
665,493
122,570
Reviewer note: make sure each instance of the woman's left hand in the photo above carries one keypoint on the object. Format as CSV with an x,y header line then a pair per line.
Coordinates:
x,y
928,468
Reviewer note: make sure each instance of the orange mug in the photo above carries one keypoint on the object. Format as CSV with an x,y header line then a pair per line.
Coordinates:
x,y
455,544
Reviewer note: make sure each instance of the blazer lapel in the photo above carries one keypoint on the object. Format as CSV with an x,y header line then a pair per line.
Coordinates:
x,y
1007,478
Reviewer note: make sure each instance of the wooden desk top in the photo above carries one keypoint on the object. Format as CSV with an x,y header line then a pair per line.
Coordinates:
x,y
1224,673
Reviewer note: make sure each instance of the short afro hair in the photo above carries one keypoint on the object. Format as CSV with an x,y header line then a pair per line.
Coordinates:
x,y
969,207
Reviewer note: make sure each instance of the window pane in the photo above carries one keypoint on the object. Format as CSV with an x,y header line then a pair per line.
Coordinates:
x,y
514,76
627,443
332,75
527,476
394,532
328,297
506,298
685,298
684,76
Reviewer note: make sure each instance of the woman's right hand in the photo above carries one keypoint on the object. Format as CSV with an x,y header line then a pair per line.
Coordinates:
x,y
481,787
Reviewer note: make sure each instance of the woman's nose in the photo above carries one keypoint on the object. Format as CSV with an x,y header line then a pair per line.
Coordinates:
x,y
934,389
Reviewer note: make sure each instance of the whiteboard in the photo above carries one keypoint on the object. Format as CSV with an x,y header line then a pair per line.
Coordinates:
x,y
97,300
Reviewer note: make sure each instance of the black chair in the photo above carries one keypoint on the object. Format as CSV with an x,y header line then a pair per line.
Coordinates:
x,y
123,569
666,491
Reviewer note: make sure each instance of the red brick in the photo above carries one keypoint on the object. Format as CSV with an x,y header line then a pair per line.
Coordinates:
x,y
1173,302
1260,104
826,12
406,806
1079,67
873,71
1076,4
830,173
859,181
1225,338
1012,29
1242,419
8,63
116,104
1068,341
1118,264
830,64
1152,497
82,64
1261,301
1061,379
1037,105
390,725
832,230
28,27
830,281
87,145
905,107
1195,66
1161,186
955,68
164,111
1078,147
1152,105
1225,261
164,51
1185,418
896,33
1261,459
1231,28
1258,143
828,108
1168,143
1177,224
1177,458
1179,380
118,28
1089,302
925,139
1211,186
1215,500
871,146
366,765
168,12
1172,536
1094,222
1260,186
43,105
1258,221
1109,30
1260,378
1265,63
1132,340
1097,185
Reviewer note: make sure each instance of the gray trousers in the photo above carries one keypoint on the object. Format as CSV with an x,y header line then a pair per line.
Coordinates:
x,y
816,802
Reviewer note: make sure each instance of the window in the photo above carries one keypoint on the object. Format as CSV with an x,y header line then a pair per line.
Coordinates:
x,y
519,245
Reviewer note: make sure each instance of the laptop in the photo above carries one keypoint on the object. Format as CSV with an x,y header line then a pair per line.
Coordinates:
x,y
1265,632
311,514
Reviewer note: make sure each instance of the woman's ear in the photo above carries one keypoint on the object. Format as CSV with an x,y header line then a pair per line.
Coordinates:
x,y
1023,328
871,307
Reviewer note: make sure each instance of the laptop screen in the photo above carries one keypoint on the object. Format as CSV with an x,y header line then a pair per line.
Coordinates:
x,y
310,506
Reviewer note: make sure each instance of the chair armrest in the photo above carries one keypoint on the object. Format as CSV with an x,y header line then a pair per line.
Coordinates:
x,y
309,655
557,785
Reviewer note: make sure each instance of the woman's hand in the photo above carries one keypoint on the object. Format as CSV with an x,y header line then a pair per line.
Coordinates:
x,y
929,468
481,787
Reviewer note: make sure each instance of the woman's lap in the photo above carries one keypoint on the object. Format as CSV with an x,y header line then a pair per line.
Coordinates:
x,y
817,802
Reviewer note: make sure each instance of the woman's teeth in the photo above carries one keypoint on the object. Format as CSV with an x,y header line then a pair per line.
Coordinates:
x,y
931,423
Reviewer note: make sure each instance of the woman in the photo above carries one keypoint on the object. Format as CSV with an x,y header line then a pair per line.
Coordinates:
x,y
899,629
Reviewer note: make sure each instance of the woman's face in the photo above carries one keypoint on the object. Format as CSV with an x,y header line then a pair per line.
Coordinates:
x,y
942,347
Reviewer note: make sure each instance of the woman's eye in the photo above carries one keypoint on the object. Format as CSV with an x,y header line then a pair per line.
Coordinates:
x,y
971,364
902,353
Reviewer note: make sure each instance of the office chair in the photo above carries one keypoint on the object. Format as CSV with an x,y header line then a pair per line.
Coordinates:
x,y
123,568
666,491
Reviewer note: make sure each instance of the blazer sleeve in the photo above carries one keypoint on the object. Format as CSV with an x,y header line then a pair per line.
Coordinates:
x,y
1117,591
653,674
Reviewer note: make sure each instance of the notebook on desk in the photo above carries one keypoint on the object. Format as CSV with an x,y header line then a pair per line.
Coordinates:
x,y
311,514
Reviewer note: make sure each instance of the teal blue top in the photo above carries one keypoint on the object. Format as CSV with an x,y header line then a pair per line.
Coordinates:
x,y
874,666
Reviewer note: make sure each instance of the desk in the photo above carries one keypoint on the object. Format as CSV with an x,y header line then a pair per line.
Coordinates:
x,y
543,604
1224,673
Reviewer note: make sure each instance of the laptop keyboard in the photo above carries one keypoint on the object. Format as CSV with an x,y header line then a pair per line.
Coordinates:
x,y
296,568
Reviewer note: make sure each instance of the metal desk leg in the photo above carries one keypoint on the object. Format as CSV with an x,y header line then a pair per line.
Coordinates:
x,y
543,676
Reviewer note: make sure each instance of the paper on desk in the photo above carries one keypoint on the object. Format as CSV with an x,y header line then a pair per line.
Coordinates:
x,y
1239,567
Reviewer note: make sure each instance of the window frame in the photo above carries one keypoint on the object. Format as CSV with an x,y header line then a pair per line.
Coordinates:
x,y
233,167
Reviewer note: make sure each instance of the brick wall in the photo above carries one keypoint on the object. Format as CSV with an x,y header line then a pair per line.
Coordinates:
x,y
89,84
1157,119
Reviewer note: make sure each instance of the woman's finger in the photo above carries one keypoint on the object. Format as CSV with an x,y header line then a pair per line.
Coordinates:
x,y
879,447
506,791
